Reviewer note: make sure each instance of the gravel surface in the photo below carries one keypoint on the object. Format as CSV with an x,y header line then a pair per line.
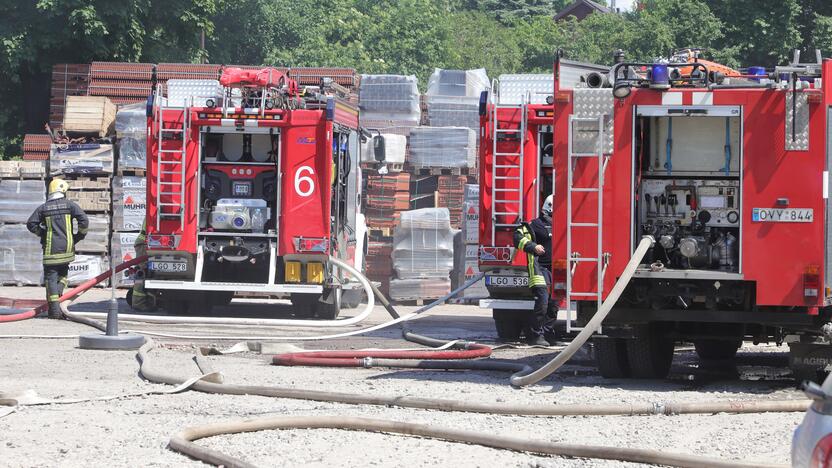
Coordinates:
x,y
135,431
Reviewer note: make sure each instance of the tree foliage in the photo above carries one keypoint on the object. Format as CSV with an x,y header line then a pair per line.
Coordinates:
x,y
380,36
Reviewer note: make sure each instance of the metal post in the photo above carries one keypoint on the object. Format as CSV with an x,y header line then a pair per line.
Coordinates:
x,y
111,339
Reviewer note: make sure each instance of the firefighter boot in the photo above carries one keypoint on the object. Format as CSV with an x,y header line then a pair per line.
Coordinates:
x,y
55,311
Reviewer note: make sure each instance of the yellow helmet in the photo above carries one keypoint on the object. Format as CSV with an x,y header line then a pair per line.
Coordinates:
x,y
58,185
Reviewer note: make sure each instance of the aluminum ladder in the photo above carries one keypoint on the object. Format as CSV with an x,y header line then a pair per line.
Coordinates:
x,y
170,164
507,200
573,259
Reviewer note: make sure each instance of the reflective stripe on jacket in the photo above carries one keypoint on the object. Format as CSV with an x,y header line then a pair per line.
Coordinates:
x,y
524,240
52,222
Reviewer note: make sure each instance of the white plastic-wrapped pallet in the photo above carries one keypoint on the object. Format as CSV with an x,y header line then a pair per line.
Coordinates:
x,y
19,199
87,158
86,267
123,249
129,203
423,244
21,256
443,147
389,100
395,149
453,97
98,235
131,134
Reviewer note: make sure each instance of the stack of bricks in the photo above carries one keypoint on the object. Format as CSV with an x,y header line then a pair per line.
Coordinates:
x,y
450,195
386,197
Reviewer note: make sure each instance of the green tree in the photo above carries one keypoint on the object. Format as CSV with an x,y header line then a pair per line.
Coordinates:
x,y
479,41
509,11
36,35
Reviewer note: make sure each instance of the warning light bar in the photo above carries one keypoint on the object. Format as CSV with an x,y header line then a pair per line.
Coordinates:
x,y
311,244
218,115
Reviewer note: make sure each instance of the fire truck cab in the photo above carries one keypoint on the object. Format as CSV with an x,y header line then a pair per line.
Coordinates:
x,y
729,176
253,184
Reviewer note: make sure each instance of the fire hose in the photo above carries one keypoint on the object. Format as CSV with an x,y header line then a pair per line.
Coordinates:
x,y
182,442
72,293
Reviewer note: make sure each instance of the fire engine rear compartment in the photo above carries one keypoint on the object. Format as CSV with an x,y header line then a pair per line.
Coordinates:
x,y
687,179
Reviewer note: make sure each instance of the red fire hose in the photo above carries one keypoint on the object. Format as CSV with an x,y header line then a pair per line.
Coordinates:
x,y
72,293
356,358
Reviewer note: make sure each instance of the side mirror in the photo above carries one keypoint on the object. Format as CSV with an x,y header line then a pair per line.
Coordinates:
x,y
379,150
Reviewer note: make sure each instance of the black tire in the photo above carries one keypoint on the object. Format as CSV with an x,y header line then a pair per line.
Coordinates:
x,y
812,374
304,305
650,354
611,357
129,297
509,324
717,350
222,298
327,311
508,330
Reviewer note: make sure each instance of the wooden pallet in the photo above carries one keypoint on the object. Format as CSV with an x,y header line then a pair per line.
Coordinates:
x,y
424,171
79,182
89,115
132,172
391,167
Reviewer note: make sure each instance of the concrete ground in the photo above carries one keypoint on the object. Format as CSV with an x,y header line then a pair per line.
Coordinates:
x,y
135,431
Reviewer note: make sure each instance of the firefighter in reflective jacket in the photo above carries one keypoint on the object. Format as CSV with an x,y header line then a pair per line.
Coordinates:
x,y
535,239
52,222
141,299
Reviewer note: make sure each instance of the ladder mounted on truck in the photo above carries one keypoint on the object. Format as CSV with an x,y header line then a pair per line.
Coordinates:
x,y
507,166
170,162
587,125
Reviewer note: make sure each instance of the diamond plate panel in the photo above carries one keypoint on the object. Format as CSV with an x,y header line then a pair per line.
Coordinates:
x,y
513,88
180,92
801,123
593,103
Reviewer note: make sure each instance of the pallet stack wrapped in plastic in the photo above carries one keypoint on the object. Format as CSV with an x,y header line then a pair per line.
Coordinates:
x,y
422,255
443,147
389,103
20,251
453,97
467,248
129,207
131,137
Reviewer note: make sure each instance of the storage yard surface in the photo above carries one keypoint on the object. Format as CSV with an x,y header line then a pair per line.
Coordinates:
x,y
135,431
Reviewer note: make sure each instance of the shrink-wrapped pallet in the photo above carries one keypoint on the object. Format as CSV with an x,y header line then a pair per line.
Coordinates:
x,y
19,199
21,256
123,250
88,158
389,101
423,244
131,131
420,288
443,147
98,235
129,203
86,267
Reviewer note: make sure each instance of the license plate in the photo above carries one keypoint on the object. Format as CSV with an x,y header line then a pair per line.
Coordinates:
x,y
168,267
782,215
507,281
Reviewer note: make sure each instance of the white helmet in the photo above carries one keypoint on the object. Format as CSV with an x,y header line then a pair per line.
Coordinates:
x,y
547,206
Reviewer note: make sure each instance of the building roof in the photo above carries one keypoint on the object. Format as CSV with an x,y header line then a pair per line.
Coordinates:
x,y
580,9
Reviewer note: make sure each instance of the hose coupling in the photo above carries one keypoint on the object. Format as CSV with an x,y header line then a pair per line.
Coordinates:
x,y
659,408
367,362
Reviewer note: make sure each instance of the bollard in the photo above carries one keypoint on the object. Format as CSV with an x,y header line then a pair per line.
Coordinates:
x,y
111,339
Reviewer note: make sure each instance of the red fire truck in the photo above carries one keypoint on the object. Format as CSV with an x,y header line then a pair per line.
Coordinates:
x,y
252,185
516,175
730,177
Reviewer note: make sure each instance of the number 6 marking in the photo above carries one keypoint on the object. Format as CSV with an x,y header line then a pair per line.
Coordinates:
x,y
302,178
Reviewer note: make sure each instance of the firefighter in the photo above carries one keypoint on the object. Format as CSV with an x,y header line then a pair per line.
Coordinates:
x,y
141,299
535,239
52,222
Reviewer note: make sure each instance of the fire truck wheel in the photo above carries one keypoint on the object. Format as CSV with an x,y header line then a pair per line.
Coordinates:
x,y
717,350
508,325
327,311
222,298
650,353
611,357
304,305
129,297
